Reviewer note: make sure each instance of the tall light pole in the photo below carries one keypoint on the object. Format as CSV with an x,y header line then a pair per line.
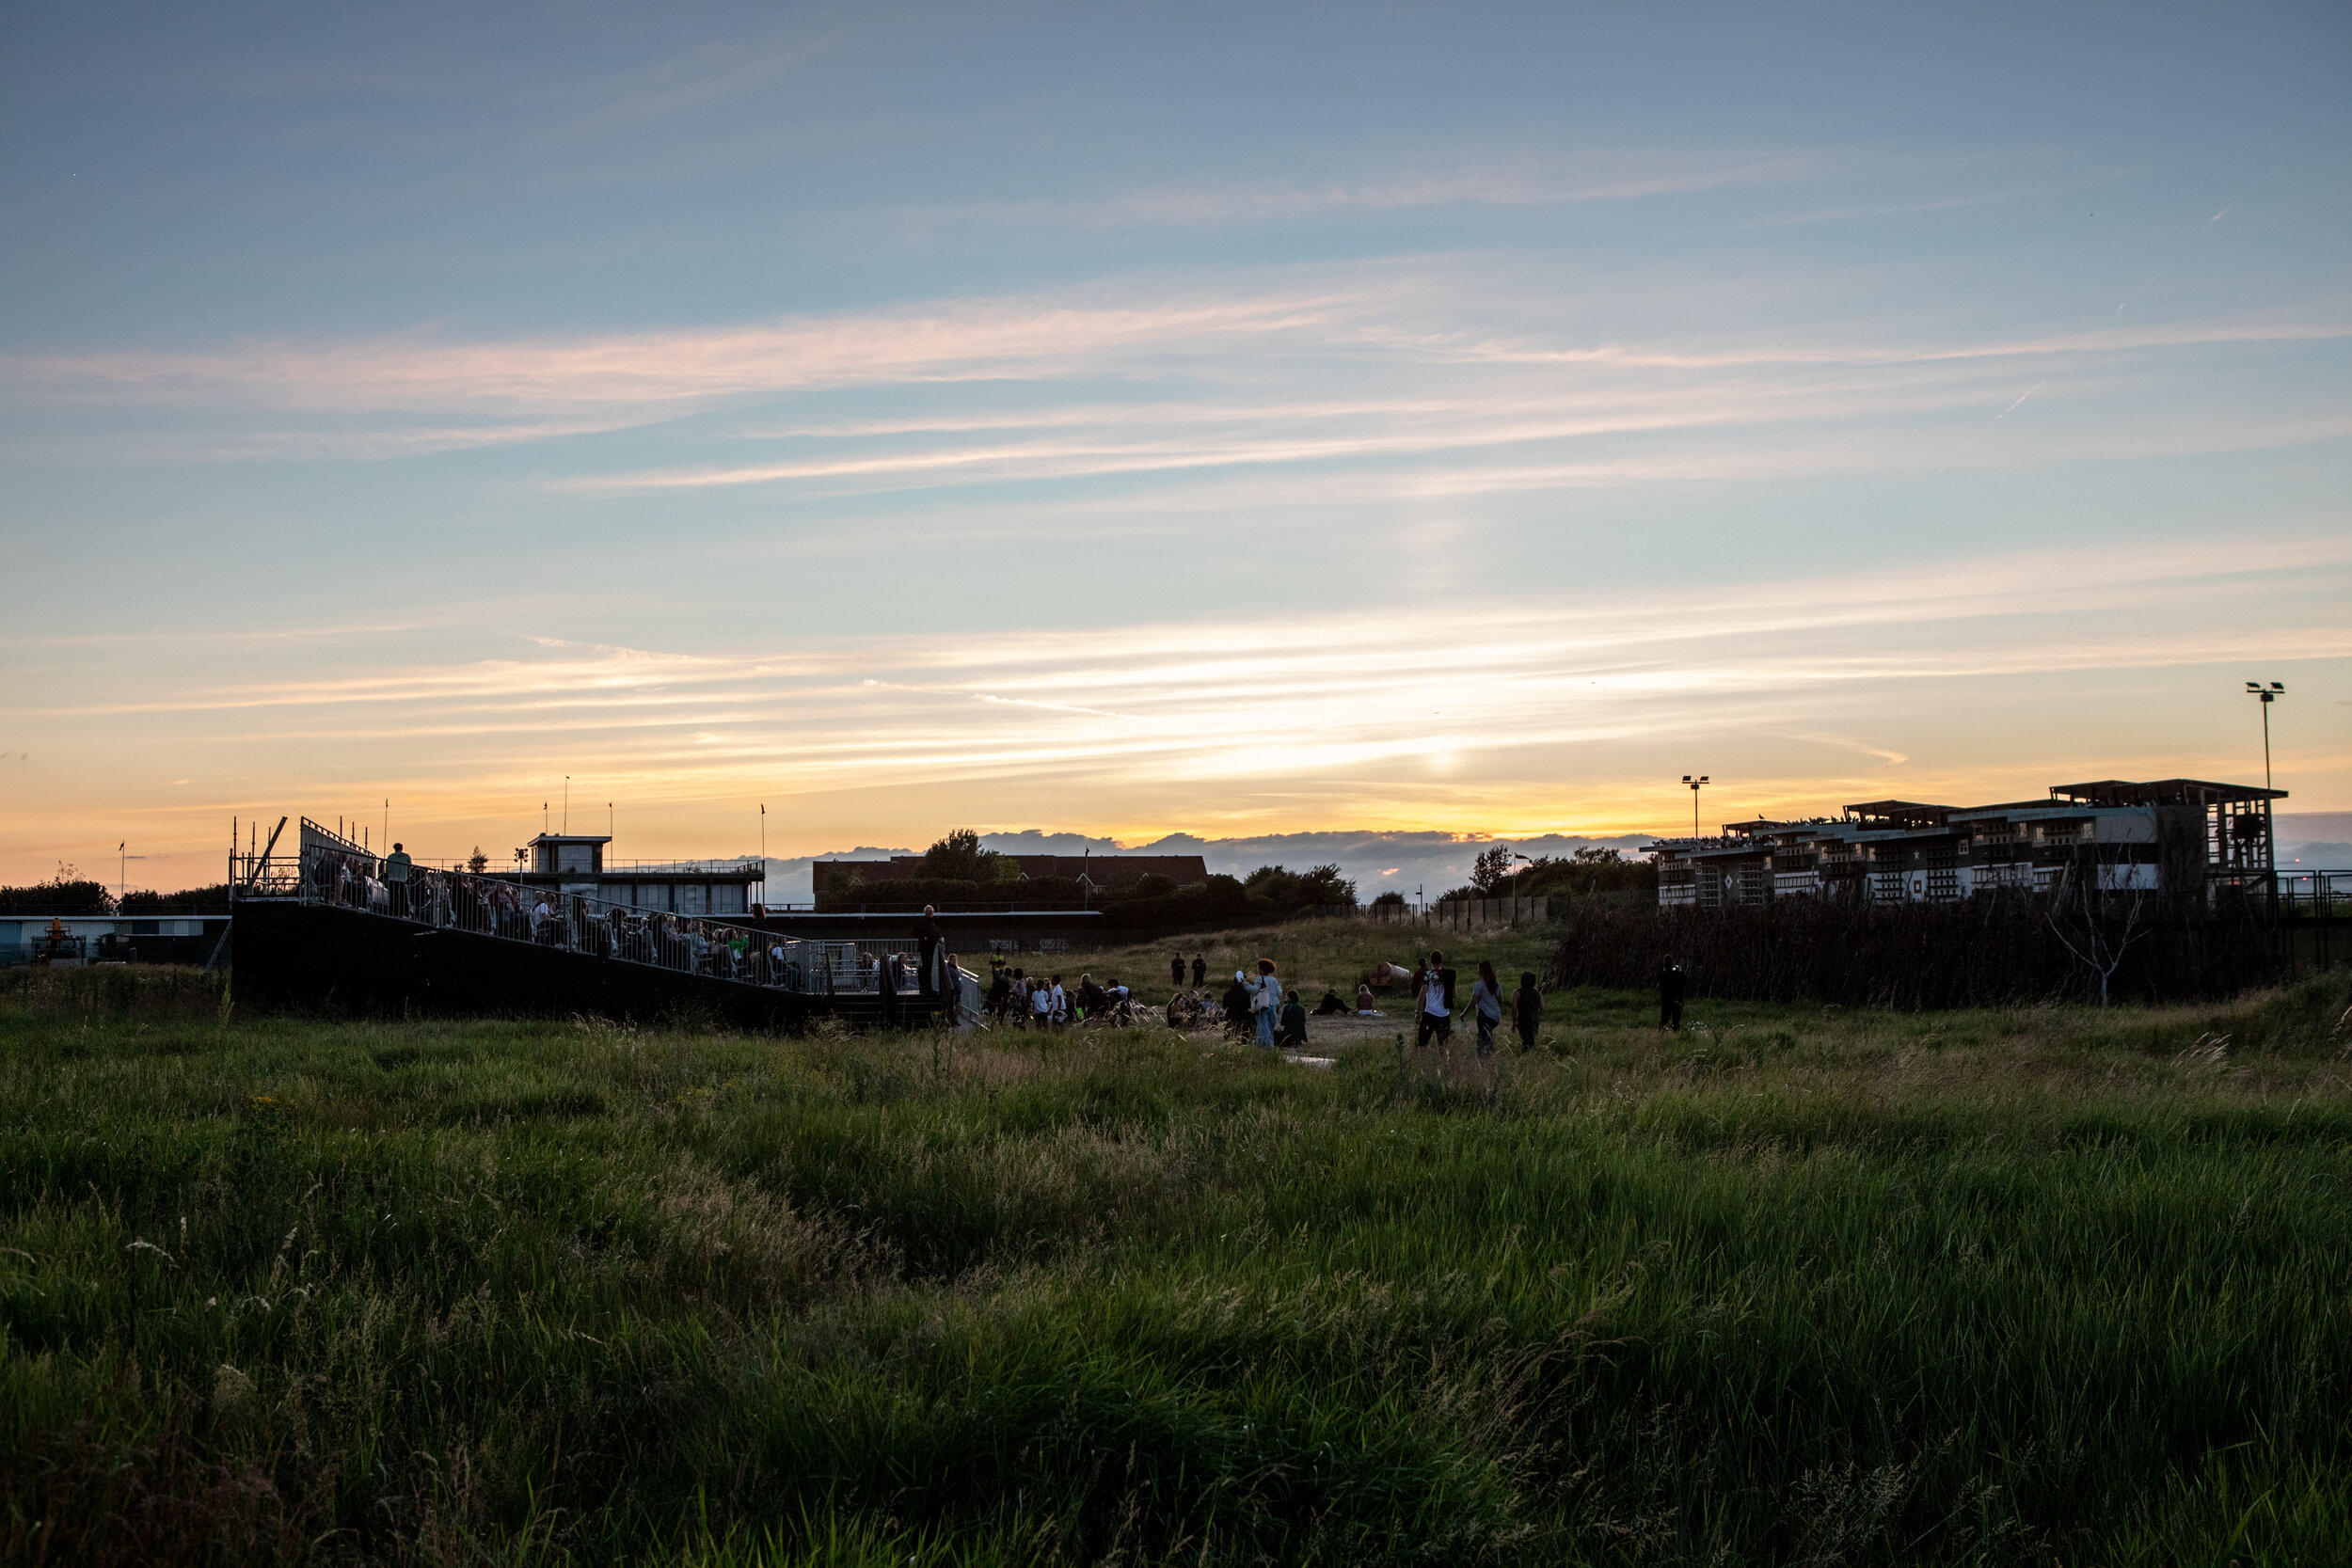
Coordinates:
x,y
123,870
2268,694
1695,785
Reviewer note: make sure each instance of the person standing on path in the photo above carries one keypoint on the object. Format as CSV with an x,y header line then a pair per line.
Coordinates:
x,y
1527,1010
1265,1003
1486,1007
1672,984
396,866
930,945
1434,986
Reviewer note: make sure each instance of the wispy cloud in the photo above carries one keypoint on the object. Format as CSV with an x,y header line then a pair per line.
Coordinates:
x,y
670,370
1504,180
1356,690
1368,366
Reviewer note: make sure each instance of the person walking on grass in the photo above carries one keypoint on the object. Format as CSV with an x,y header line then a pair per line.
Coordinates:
x,y
1435,989
1041,1005
1527,1010
1058,1012
1176,971
1672,985
1200,970
1486,1007
1265,1003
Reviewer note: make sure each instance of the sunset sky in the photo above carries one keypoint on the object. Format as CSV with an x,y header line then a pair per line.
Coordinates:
x,y
1127,421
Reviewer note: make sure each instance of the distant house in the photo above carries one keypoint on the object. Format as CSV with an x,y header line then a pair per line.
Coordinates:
x,y
1098,872
2166,834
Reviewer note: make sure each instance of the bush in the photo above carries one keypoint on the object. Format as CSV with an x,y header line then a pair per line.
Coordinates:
x,y
1988,951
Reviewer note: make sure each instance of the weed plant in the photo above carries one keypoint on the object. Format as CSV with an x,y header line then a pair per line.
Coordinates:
x,y
1799,1285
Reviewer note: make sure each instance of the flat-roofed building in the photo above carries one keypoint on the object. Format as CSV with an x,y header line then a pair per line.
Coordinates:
x,y
577,863
1101,873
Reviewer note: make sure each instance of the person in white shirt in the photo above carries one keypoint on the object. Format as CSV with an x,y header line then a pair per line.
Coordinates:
x,y
1437,1011
1060,1010
1041,1005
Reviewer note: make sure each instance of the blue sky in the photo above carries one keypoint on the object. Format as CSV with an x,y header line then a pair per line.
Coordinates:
x,y
1127,421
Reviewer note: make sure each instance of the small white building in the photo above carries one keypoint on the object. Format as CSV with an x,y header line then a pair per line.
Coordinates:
x,y
111,938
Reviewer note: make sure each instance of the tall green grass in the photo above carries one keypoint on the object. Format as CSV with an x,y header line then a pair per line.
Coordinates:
x,y
1799,1286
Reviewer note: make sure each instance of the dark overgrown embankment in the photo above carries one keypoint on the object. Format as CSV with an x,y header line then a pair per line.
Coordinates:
x,y
1985,952
1800,1286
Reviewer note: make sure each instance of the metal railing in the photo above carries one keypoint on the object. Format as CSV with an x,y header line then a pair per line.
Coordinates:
x,y
2304,894
2328,893
489,906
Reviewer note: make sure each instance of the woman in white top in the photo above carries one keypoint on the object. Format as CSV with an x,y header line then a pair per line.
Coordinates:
x,y
1265,1003
1486,1007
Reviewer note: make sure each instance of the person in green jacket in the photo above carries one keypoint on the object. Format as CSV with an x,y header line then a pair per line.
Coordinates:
x,y
396,866
1293,1028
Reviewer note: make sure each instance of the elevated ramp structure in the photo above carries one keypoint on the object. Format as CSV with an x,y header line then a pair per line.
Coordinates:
x,y
324,928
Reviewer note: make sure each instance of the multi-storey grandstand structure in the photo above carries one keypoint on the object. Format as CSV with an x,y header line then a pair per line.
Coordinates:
x,y
2183,837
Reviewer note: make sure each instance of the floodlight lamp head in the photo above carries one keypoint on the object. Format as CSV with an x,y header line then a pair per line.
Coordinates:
x,y
2277,686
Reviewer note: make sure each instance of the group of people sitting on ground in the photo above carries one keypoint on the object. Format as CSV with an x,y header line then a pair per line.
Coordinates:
x,y
1036,1001
1193,1009
1257,1006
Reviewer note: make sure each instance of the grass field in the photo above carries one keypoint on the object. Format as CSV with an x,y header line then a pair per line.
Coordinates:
x,y
1798,1285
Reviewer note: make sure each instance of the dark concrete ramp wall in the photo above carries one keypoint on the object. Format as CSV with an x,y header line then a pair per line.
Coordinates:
x,y
342,960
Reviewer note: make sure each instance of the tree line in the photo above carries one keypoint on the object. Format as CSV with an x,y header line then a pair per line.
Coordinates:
x,y
70,892
958,872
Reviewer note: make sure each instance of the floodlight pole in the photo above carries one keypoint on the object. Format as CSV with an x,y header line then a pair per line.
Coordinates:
x,y
2265,695
1695,784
